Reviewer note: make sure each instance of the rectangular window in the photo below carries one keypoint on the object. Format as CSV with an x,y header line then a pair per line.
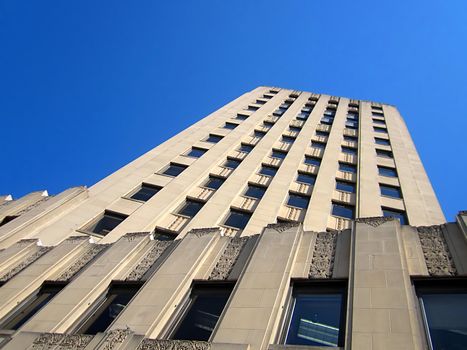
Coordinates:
x,y
231,163
349,150
342,210
317,315
347,167
230,126
329,112
190,208
268,124
312,161
390,191
245,148
383,153
381,141
351,125
252,108
399,215
213,138
237,219
278,154
377,114
321,133
302,116
288,139
268,96
109,307
258,133
260,102
145,192
298,201
268,170
352,116
381,130
306,178
196,152
316,144
174,169
345,186
106,223
379,121
350,138
214,182
294,129
241,116
255,191
327,121
26,311
205,306
385,171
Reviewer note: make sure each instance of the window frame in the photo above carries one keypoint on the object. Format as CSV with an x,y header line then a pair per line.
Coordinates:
x,y
187,201
236,210
220,137
194,148
96,219
139,188
167,167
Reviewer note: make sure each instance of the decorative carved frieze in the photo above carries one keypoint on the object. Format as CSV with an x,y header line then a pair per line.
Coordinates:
x,y
38,252
324,251
200,232
375,221
33,205
228,258
82,261
115,337
131,236
149,259
162,344
436,251
60,341
283,226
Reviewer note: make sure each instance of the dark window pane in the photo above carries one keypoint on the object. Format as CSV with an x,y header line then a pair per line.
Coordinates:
x,y
401,216
231,163
106,223
347,167
316,144
382,130
383,153
390,191
316,320
252,108
196,152
206,305
379,121
163,236
302,116
241,117
288,139
230,126
345,211
268,170
377,114
258,133
268,124
345,186
145,192
255,191
7,219
349,150
213,138
385,171
381,141
321,133
306,178
260,102
296,200
174,169
327,121
278,154
350,138
329,112
237,219
190,208
351,124
352,116
294,129
312,161
214,183
246,148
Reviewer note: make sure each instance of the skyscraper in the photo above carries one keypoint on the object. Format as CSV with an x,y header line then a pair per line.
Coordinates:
x,y
283,218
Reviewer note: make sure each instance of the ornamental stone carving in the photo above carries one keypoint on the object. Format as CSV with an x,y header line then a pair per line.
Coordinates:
x,y
200,232
81,262
324,251
375,221
59,341
149,259
283,226
39,251
115,337
162,344
32,206
228,258
436,251
131,236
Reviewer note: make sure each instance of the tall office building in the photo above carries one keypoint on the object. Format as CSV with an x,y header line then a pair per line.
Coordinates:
x,y
283,219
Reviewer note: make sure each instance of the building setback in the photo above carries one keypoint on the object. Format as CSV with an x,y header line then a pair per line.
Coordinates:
x,y
285,219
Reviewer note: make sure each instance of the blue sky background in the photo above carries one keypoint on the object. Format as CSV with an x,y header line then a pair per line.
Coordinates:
x,y
87,86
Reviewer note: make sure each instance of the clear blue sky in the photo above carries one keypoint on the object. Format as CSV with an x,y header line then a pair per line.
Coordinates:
x,y
87,86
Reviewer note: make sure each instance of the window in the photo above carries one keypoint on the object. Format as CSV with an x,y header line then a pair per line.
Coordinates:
x,y
350,138
312,161
383,153
321,133
377,108
245,148
342,210
278,154
351,124
7,219
237,219
352,116
196,152
268,170
298,201
381,141
214,182
345,186
316,144
174,169
213,138
268,124
230,126
390,191
190,208
24,312
241,116
327,121
258,133
349,150
378,129
204,308
306,178
252,108
288,139
302,116
294,129
160,235
260,102
145,192
106,223
231,163
399,215
255,191
377,114
330,112
347,167
379,121
267,96
443,306
109,307
385,171
317,315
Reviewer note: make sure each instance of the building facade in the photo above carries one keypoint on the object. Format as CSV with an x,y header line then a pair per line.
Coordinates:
x,y
284,219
